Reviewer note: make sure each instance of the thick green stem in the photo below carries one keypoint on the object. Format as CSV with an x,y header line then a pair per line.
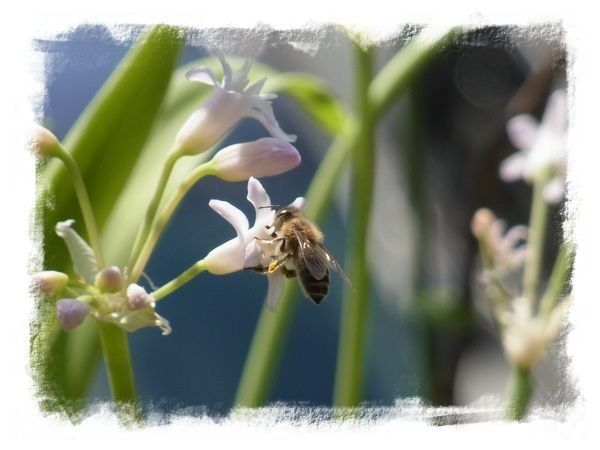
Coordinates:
x,y
162,220
535,246
182,279
521,388
269,338
84,201
153,206
115,350
351,350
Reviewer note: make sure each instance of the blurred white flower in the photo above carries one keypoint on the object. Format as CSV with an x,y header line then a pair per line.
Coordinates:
x,y
542,147
525,336
505,250
261,158
244,251
230,102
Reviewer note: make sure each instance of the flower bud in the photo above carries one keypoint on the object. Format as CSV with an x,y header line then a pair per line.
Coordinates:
x,y
71,313
482,222
261,158
138,297
50,282
109,280
42,142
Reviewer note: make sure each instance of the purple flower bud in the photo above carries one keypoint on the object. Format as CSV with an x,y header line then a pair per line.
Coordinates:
x,y
71,313
109,280
138,297
50,282
261,158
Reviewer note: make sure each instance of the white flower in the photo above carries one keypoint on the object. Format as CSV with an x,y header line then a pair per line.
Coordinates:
x,y
244,251
542,146
229,103
503,248
525,337
261,158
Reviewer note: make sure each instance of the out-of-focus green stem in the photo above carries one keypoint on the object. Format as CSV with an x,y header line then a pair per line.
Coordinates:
x,y
115,350
162,220
153,206
558,279
84,201
535,246
182,279
265,350
521,389
350,363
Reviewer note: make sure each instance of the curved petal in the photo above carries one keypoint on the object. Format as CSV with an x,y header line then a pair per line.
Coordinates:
x,y
255,88
239,79
202,75
262,111
227,72
522,131
299,202
231,214
254,254
259,199
275,290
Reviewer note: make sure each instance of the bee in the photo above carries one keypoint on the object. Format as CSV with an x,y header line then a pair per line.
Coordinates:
x,y
300,241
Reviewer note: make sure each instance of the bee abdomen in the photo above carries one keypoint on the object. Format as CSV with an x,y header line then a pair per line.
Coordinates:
x,y
317,290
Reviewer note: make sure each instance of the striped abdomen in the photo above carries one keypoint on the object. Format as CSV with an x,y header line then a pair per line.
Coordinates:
x,y
315,289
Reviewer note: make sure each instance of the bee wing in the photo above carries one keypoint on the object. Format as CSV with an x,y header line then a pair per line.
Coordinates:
x,y
315,260
331,262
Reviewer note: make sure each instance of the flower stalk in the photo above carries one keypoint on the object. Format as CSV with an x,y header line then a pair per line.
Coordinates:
x,y
350,363
170,287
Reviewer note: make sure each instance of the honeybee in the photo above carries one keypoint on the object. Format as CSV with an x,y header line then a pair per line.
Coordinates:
x,y
298,240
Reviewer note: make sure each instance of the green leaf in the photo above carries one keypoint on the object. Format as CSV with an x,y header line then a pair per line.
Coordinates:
x,y
106,142
82,255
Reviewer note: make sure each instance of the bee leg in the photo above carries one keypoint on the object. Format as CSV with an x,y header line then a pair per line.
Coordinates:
x,y
289,273
277,264
260,268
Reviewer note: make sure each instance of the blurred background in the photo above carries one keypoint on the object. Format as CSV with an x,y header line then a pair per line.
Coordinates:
x,y
438,149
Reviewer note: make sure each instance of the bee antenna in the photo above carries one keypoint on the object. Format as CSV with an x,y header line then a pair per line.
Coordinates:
x,y
269,206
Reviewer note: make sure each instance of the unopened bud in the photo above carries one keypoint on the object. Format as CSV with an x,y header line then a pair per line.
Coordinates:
x,y
71,313
109,280
42,142
261,158
50,282
138,297
482,222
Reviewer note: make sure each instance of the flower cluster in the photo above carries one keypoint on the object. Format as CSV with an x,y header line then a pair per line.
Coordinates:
x,y
100,293
542,148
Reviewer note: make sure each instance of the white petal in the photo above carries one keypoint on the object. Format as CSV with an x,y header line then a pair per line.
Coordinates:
x,y
202,75
275,290
255,88
254,254
231,214
522,131
259,198
553,191
226,258
239,79
263,112
512,168
227,72
299,203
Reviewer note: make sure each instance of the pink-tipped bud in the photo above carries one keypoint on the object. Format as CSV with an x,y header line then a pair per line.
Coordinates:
x,y
138,297
109,280
71,313
50,282
41,142
261,158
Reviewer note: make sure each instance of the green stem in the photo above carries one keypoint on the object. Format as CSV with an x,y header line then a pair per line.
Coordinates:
x,y
535,246
521,388
182,279
269,338
115,350
153,206
162,220
350,364
558,280
84,201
